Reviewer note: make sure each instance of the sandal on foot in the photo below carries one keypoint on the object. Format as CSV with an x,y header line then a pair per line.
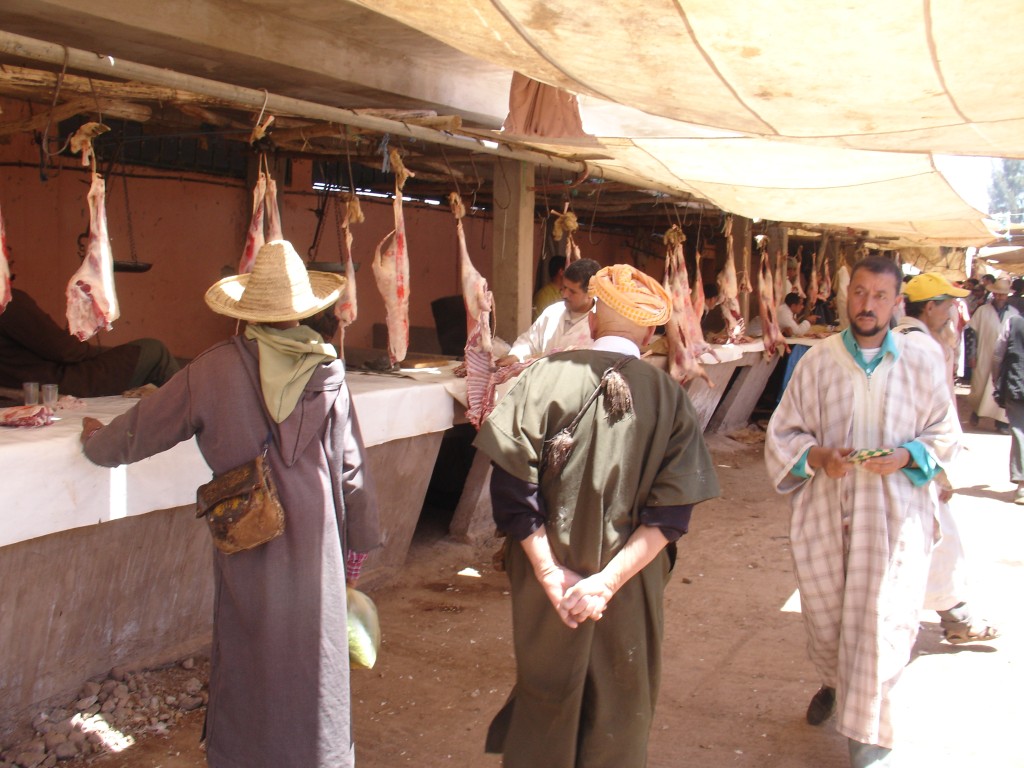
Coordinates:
x,y
971,634
822,705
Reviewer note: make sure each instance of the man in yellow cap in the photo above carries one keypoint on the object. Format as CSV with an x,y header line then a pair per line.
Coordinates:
x,y
598,460
929,312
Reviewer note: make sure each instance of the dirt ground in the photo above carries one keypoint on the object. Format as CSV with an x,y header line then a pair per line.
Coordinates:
x,y
736,682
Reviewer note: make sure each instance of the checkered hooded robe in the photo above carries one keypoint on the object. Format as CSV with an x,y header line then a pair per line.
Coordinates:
x,y
862,544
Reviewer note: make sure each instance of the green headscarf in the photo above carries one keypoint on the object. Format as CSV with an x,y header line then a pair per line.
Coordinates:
x,y
288,357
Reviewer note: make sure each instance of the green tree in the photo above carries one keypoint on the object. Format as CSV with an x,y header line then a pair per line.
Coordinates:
x,y
1006,190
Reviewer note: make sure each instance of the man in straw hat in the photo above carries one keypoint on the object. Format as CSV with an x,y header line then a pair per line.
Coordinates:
x,y
987,322
863,528
279,676
929,311
598,460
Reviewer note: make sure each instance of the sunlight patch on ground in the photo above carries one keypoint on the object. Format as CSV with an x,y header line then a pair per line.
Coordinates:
x,y
113,739
792,605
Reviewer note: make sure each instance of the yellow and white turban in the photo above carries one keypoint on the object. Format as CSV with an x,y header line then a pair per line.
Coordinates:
x,y
635,295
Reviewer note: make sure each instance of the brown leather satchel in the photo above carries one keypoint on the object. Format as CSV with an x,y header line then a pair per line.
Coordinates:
x,y
241,507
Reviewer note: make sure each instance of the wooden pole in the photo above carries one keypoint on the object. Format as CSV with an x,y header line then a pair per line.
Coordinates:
x,y
512,255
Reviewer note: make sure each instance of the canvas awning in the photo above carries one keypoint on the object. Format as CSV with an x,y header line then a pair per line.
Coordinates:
x,y
775,109
870,74
816,113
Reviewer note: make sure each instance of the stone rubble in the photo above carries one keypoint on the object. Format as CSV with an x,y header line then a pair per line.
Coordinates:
x,y
106,714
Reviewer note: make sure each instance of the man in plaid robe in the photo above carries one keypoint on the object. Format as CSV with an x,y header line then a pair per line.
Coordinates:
x,y
862,533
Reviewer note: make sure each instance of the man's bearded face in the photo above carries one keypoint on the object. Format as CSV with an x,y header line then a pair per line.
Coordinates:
x,y
872,300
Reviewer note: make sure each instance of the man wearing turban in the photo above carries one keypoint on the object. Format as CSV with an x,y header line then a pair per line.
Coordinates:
x,y
598,460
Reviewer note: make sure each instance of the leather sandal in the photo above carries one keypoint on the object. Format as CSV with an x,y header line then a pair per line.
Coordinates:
x,y
970,633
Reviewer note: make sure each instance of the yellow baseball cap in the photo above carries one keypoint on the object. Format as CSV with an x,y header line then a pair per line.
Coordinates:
x,y
931,286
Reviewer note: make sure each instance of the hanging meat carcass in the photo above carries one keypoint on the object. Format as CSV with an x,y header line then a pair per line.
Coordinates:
x,y
391,271
92,301
479,301
812,282
819,279
728,289
480,378
773,340
775,244
478,298
685,339
699,300
274,231
264,211
347,309
483,378
254,239
5,269
826,280
745,286
798,284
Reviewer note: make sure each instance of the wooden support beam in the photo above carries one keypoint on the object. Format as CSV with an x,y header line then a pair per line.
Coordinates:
x,y
85,105
512,254
733,412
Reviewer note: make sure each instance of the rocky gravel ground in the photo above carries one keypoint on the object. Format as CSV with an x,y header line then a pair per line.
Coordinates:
x,y
109,715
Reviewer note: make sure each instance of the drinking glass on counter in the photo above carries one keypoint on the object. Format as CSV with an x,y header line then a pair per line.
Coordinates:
x,y
49,395
30,390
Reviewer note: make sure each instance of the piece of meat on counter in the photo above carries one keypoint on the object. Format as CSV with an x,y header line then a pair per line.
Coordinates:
x,y
5,269
391,271
92,300
25,416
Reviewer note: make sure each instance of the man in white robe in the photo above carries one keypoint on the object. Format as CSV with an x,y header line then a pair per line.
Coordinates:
x,y
787,314
930,303
565,324
987,322
862,533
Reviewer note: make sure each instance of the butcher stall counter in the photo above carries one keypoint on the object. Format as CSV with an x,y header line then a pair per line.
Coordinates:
x,y
102,567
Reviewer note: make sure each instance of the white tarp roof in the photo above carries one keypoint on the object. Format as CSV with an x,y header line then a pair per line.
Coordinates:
x,y
778,109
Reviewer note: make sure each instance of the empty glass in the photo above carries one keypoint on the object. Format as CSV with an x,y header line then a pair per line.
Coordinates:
x,y
30,389
49,395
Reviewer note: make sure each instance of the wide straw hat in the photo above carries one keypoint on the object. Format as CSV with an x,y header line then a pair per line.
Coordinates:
x,y
635,295
931,286
1002,285
278,288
